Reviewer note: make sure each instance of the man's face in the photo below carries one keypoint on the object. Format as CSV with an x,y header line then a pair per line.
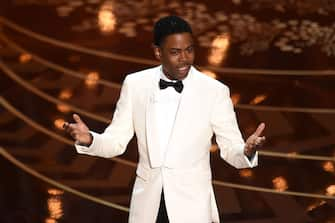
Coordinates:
x,y
176,54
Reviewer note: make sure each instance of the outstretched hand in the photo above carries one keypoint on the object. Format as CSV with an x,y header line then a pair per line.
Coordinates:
x,y
79,131
254,141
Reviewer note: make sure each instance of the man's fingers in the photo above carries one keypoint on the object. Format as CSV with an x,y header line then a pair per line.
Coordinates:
x,y
260,141
74,135
77,119
76,129
70,127
259,129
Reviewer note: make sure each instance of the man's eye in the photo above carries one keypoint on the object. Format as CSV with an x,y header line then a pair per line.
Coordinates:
x,y
190,50
174,52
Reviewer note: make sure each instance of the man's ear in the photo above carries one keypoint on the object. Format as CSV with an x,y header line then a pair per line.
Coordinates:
x,y
157,52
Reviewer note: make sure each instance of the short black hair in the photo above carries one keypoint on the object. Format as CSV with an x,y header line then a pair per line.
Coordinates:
x,y
169,25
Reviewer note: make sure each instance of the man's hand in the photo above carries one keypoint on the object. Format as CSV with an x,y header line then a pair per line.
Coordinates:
x,y
254,141
79,131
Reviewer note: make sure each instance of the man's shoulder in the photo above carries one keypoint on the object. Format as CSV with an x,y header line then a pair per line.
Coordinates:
x,y
145,74
207,81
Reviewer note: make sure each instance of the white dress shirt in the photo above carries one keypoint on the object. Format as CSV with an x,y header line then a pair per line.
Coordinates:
x,y
167,103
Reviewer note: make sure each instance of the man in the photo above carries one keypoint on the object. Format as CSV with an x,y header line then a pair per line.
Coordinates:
x,y
174,110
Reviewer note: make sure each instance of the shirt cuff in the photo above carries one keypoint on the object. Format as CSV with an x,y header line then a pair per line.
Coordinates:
x,y
86,149
253,160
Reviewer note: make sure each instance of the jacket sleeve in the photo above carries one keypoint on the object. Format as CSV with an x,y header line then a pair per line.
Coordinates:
x,y
114,140
227,133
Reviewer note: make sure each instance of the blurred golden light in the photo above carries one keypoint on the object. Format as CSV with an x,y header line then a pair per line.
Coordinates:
x,y
58,123
214,148
219,49
55,207
50,220
92,79
279,184
221,41
258,99
65,94
63,108
315,205
246,173
329,167
292,155
330,190
25,58
55,192
235,98
210,73
106,18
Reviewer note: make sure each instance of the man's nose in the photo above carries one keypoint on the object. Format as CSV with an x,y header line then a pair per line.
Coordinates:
x,y
183,56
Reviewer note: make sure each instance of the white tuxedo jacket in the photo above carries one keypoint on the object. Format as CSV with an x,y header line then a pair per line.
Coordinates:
x,y
185,176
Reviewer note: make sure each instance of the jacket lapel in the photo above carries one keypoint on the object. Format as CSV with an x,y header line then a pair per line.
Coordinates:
x,y
183,112
151,125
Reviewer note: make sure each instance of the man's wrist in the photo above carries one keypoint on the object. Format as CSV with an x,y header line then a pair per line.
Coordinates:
x,y
249,152
90,141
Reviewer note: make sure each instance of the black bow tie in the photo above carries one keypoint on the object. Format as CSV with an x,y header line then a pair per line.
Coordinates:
x,y
178,85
